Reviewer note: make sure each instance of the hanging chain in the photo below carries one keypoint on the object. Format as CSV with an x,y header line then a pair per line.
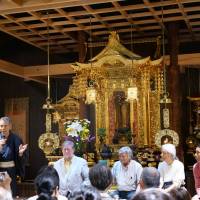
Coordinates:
x,y
48,58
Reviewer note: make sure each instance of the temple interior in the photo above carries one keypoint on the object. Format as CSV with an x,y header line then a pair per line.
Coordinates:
x,y
127,71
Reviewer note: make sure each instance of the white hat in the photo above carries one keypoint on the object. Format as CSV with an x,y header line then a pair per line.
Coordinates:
x,y
170,148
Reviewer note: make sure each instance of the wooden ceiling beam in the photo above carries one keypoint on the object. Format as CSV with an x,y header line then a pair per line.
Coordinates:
x,y
17,70
54,69
33,5
185,16
17,2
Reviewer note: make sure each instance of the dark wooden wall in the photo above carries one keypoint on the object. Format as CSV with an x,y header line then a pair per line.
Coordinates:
x,y
13,87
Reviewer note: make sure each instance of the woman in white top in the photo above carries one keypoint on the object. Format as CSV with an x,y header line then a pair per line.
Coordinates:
x,y
171,169
47,185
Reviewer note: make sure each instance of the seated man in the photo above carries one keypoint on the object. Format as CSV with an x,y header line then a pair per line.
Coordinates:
x,y
73,171
171,169
150,178
126,173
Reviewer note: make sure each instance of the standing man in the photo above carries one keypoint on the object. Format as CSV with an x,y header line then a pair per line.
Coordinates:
x,y
72,170
11,152
196,172
171,169
126,173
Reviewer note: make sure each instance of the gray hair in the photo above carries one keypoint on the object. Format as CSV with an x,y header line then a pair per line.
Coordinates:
x,y
6,120
68,143
126,150
150,177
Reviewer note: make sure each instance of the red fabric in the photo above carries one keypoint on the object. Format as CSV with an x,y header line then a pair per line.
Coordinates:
x,y
196,173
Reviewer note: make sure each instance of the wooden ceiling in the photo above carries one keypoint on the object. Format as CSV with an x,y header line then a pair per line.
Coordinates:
x,y
27,20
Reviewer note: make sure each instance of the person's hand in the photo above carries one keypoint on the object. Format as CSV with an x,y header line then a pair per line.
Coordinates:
x,y
22,148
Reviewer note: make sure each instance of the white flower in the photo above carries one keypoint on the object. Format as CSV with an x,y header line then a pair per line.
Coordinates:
x,y
73,133
87,121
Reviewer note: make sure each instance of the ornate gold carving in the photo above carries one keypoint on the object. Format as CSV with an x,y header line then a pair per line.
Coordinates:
x,y
114,69
48,142
166,136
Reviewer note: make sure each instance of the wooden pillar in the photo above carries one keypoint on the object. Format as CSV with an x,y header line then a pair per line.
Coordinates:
x,y
174,81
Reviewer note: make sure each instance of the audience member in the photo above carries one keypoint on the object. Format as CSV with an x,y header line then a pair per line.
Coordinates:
x,y
5,190
126,173
101,178
180,194
152,194
85,193
171,169
150,178
196,171
73,171
47,185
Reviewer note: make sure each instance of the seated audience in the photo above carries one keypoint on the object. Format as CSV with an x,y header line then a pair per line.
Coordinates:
x,y
126,174
73,170
47,185
150,178
101,178
196,172
85,193
180,194
171,169
5,189
152,194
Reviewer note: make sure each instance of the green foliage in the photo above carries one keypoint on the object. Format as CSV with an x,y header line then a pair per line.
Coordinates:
x,y
101,132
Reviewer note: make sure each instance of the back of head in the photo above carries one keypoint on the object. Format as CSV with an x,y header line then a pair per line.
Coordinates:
x,y
46,183
100,176
152,194
85,193
180,194
150,177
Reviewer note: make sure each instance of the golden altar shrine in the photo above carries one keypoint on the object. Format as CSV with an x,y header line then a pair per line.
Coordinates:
x,y
112,72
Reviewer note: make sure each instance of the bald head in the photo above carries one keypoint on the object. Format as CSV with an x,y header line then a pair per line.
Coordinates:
x,y
150,178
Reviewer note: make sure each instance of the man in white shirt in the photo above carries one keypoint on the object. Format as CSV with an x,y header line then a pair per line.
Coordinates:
x,y
126,173
73,171
171,169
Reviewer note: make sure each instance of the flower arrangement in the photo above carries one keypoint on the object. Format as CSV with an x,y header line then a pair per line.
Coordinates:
x,y
78,130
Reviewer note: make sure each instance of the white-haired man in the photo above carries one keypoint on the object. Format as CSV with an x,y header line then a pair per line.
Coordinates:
x,y
126,173
171,169
73,171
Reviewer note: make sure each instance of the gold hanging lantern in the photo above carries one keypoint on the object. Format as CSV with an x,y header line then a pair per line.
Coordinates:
x,y
90,95
132,93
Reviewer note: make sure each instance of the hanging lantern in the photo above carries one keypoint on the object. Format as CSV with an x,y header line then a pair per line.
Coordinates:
x,y
132,93
90,95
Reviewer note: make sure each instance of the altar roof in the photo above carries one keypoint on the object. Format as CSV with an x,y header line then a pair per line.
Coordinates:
x,y
115,53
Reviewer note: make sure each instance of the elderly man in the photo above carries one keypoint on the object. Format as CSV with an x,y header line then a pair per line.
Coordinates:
x,y
126,173
171,170
12,150
73,171
150,178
